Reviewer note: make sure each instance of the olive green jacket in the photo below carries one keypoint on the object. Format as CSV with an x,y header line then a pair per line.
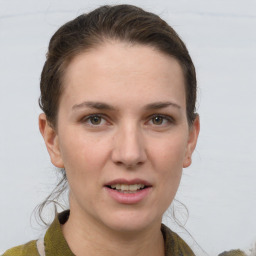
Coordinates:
x,y
56,245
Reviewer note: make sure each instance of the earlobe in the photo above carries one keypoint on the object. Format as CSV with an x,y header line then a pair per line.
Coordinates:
x,y
192,141
51,141
187,162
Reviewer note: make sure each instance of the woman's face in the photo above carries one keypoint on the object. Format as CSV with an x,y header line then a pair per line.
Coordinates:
x,y
122,136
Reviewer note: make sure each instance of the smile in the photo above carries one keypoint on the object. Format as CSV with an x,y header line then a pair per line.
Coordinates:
x,y
130,192
124,188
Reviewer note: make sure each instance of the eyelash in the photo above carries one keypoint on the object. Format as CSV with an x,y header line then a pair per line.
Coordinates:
x,y
165,118
88,118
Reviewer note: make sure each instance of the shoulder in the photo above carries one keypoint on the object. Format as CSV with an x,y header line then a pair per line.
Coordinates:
x,y
28,249
53,241
174,244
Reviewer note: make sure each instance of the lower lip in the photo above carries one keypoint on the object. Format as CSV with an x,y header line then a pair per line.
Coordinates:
x,y
128,198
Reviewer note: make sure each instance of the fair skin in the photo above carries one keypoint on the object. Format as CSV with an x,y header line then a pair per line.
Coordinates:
x,y
122,120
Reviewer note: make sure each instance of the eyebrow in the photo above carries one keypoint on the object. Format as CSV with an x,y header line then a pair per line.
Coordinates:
x,y
93,105
159,105
105,106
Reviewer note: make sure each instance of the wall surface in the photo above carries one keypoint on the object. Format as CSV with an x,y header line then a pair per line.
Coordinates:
x,y
218,189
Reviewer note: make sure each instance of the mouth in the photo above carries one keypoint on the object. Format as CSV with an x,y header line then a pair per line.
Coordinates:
x,y
127,189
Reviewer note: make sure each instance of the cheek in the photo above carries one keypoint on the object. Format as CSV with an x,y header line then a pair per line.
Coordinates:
x,y
169,151
81,151
168,170
84,158
167,156
83,161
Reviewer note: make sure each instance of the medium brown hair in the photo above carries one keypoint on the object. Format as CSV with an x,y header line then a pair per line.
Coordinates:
x,y
125,23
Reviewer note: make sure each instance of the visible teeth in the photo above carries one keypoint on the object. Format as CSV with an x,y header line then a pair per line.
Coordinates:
x,y
125,187
133,187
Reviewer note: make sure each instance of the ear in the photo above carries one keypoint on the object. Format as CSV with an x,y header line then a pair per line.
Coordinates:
x,y
51,140
192,140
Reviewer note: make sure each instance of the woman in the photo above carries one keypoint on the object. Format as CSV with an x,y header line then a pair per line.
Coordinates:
x,y
118,92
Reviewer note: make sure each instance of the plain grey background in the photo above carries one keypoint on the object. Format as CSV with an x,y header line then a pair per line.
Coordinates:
x,y
218,189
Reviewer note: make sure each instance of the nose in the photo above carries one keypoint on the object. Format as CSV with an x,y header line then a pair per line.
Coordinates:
x,y
129,148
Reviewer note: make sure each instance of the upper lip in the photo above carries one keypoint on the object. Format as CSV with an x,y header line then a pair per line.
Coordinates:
x,y
128,182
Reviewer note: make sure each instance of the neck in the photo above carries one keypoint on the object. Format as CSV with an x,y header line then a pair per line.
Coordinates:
x,y
85,237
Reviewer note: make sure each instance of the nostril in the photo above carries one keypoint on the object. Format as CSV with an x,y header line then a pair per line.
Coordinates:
x,y
129,165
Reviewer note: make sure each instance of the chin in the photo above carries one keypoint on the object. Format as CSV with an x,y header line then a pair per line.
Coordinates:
x,y
132,221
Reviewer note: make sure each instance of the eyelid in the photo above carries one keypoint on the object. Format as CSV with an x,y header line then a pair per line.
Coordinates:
x,y
86,118
168,118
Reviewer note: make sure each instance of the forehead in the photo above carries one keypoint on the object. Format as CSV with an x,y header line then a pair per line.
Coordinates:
x,y
121,70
